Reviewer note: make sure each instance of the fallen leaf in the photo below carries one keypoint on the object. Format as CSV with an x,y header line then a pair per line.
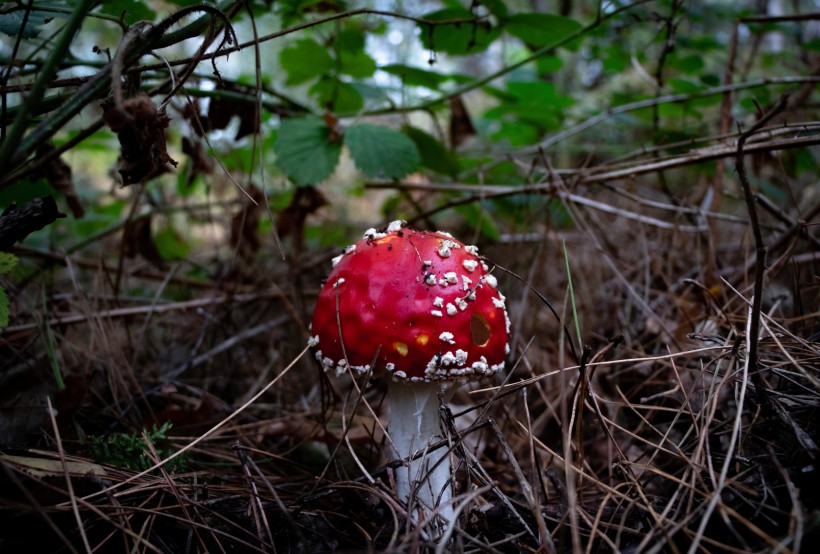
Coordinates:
x,y
140,128
58,174
461,126
138,239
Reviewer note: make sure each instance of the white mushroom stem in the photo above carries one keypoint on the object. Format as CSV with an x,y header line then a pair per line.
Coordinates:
x,y
414,425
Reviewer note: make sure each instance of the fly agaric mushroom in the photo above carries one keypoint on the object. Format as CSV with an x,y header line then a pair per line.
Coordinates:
x,y
424,308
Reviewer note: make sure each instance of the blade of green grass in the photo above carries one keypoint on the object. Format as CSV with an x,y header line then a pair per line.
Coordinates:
x,y
572,295
48,338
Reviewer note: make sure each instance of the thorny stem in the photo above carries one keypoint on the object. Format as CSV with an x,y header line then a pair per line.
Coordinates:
x,y
9,144
4,77
760,246
93,89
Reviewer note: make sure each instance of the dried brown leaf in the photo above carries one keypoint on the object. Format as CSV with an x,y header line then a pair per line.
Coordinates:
x,y
461,126
140,128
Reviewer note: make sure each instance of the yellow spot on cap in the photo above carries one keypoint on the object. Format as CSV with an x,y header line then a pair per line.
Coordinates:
x,y
401,348
422,339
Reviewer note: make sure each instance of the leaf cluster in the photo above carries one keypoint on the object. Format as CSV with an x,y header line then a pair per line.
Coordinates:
x,y
132,450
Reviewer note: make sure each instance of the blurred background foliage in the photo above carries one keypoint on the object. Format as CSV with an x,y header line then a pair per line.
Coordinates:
x,y
334,95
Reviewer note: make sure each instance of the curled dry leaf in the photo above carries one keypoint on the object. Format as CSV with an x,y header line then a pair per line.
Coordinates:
x,y
58,174
245,225
305,201
461,126
221,110
138,239
201,162
140,128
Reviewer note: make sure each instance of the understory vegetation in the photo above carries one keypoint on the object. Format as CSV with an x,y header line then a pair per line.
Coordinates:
x,y
642,178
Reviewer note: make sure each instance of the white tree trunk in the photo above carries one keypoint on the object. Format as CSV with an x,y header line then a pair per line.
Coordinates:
x,y
414,424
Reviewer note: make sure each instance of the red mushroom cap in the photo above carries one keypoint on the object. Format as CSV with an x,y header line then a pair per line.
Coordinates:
x,y
423,300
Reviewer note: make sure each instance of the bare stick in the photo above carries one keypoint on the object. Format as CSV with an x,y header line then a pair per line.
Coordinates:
x,y
760,246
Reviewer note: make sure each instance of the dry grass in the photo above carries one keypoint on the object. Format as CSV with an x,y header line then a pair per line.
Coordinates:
x,y
657,437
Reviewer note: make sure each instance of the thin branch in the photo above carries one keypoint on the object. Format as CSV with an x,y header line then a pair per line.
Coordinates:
x,y
760,245
9,144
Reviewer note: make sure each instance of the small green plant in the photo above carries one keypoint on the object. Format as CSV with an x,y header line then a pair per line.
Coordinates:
x,y
7,263
130,451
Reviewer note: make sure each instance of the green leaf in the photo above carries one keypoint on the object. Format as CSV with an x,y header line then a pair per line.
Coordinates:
x,y
24,191
538,93
465,37
7,262
4,309
686,64
683,86
305,60
478,218
11,23
292,11
615,59
305,151
549,64
351,40
380,151
356,64
170,244
414,76
530,101
496,7
812,45
432,152
134,10
516,133
541,29
337,96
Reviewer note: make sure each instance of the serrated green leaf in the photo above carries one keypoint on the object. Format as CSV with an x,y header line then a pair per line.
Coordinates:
x,y
337,96
541,29
465,37
380,151
414,76
7,262
306,59
305,151
433,153
11,23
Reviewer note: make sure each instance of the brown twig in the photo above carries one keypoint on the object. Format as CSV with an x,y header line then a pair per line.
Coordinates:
x,y
760,246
